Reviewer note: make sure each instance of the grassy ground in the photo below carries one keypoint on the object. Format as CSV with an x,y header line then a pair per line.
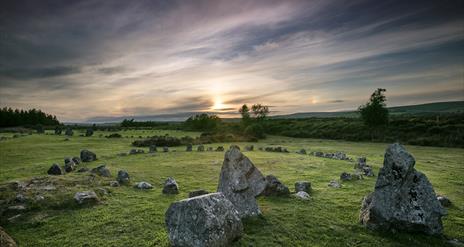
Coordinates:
x,y
128,217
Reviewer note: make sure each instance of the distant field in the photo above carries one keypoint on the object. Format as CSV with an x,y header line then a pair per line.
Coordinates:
x,y
128,217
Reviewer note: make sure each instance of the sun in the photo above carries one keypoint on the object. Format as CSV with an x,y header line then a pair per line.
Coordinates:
x,y
218,105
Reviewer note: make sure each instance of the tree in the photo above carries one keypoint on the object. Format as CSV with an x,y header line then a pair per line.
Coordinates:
x,y
260,111
375,113
203,122
245,112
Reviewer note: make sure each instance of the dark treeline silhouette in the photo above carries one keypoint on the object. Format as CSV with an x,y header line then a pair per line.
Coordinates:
x,y
19,117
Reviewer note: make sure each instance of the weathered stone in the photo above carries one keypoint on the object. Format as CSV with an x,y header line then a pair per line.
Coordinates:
x,y
339,156
207,221
249,148
303,186
334,184
319,154
101,170
123,177
76,160
220,149
152,149
165,149
188,148
345,176
86,197
83,169
55,169
200,148
69,132
170,186
69,167
136,151
303,195
89,132
57,130
444,201
210,149
274,187
88,156
114,184
403,198
20,198
5,239
241,182
197,193
143,186
301,151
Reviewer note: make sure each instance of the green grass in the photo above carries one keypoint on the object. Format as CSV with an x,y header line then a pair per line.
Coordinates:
x,y
128,217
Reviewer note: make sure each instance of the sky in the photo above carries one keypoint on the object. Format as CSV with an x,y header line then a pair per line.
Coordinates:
x,y
83,60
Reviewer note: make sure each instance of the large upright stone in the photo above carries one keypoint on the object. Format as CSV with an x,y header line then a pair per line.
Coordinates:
x,y
170,186
241,182
403,199
207,221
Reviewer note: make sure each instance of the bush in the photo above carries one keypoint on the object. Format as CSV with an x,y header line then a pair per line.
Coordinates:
x,y
255,130
114,135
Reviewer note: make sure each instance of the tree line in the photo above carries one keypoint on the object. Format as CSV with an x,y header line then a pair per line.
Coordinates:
x,y
20,117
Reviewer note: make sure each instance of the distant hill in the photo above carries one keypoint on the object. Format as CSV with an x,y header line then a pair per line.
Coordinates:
x,y
422,109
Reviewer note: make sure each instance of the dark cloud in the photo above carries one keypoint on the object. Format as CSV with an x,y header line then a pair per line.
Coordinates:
x,y
38,73
336,101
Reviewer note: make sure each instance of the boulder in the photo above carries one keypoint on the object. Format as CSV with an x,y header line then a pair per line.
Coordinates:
x,y
170,186
188,148
334,184
208,220
55,169
88,156
123,177
69,167
5,239
241,182
69,132
101,170
201,148
220,149
89,132
83,169
303,186
249,148
302,195
152,149
197,193
403,199
143,185
76,160
86,197
301,151
345,176
114,184
444,201
319,154
274,187
340,156
165,149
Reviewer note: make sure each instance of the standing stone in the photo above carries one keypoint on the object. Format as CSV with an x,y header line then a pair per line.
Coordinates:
x,y
403,198
274,187
201,148
152,149
188,148
249,148
207,221
197,193
303,186
86,197
101,170
170,186
123,177
241,182
303,195
58,130
69,132
55,169
165,149
87,156
89,132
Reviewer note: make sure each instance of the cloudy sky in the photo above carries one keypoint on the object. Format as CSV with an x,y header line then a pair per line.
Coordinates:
x,y
86,59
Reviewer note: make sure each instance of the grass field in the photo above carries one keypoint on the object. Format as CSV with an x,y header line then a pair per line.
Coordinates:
x,y
128,217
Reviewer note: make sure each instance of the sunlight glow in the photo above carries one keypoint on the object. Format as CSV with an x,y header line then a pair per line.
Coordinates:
x,y
218,105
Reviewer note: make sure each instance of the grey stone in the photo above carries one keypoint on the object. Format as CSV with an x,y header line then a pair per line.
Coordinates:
x,y
123,177
83,169
403,199
88,156
319,154
69,132
165,149
301,151
303,195
444,201
76,160
207,221
197,193
114,184
189,148
143,186
152,149
274,187
220,149
86,197
200,148
89,132
170,186
345,176
5,239
249,148
20,198
136,151
69,167
334,184
101,170
210,149
303,186
55,169
241,182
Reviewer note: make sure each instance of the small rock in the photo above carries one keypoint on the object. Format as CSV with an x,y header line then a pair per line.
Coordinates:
x,y
301,151
69,132
20,198
165,149
86,197
89,132
69,167
76,160
101,170
114,183
170,186
198,193
152,149
201,148
249,148
143,186
55,170
302,195
88,156
123,177
334,184
444,201
220,149
345,176
210,149
83,169
303,186
274,187
188,148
